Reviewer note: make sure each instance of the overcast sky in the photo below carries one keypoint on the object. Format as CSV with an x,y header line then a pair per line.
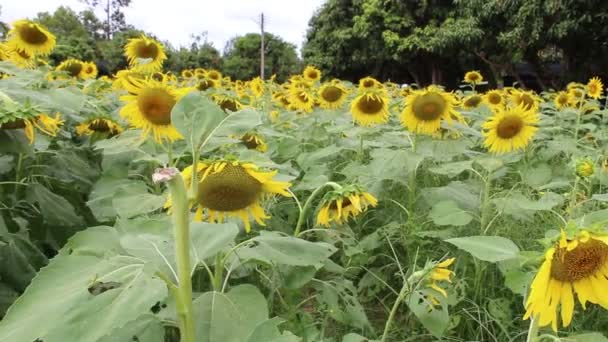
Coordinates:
x,y
176,20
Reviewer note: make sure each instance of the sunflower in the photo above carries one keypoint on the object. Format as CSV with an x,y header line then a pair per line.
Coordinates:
x,y
575,96
227,103
370,108
440,272
149,106
42,122
257,86
561,100
426,108
510,129
301,98
473,77
341,204
187,73
5,52
472,101
584,168
254,142
21,59
595,88
369,83
232,189
129,80
280,98
311,73
493,98
214,75
31,38
100,125
206,83
332,95
574,265
143,48
89,70
73,67
528,99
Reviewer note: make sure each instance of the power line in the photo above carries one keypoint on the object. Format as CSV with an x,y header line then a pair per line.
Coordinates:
x,y
262,46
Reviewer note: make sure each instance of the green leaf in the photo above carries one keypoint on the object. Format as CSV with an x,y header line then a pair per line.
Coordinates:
x,y
135,200
537,175
6,164
269,331
352,337
600,197
589,337
487,248
447,213
340,297
196,116
434,318
147,328
452,169
210,238
465,195
55,209
84,298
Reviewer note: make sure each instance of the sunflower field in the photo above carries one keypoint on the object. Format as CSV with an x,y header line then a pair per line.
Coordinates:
x,y
153,207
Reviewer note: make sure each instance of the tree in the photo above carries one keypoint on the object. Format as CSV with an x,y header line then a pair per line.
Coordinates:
x,y
242,57
201,53
115,18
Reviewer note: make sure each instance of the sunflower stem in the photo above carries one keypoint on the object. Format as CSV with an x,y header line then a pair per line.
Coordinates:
x,y
193,193
485,207
361,147
308,204
218,273
573,196
181,231
411,184
391,316
533,330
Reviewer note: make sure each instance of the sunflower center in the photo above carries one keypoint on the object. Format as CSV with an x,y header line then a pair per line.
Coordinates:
x,y
147,50
370,105
158,76
73,68
156,105
99,126
368,83
204,85
313,74
345,203
526,100
473,101
581,262
214,75
31,34
494,98
249,141
429,107
229,190
302,96
509,127
562,99
15,124
229,105
331,94
473,77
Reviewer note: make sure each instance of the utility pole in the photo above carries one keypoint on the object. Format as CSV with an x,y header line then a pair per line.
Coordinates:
x,y
262,47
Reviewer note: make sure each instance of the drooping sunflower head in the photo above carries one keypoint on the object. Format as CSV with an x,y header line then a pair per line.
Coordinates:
x,y
73,67
575,96
254,141
89,70
145,54
311,73
280,98
227,102
573,85
473,77
561,100
339,205
370,108
527,99
149,106
426,108
206,83
577,264
99,125
257,86
595,88
494,98
31,38
128,80
21,58
585,167
301,98
187,73
472,101
27,119
438,273
214,75
368,83
510,129
332,95
233,189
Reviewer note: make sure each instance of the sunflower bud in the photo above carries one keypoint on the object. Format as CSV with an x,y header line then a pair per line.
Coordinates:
x,y
585,168
164,175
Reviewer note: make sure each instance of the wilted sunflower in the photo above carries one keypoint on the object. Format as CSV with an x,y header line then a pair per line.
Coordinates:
x,y
233,189
43,122
561,100
510,129
100,125
472,101
31,38
473,77
311,73
89,70
341,204
574,265
527,99
332,95
595,88
494,98
149,106
368,83
145,54
426,108
440,272
227,103
254,142
370,108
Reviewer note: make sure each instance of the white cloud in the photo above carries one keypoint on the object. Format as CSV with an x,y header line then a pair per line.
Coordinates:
x,y
176,20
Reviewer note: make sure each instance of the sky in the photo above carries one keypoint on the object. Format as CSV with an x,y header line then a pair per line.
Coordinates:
x,y
176,20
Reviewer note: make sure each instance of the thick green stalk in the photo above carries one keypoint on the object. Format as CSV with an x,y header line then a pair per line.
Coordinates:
x,y
193,193
181,231
533,330
218,272
391,316
308,204
485,204
411,182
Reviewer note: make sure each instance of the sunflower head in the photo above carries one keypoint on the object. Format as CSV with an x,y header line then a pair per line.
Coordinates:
x,y
311,73
561,100
149,106
301,98
31,38
332,95
493,98
473,77
73,67
368,83
426,108
595,88
584,167
214,75
526,99
510,129
339,205
232,189
89,70
227,103
472,101
187,73
439,273
99,125
576,264
145,54
575,96
21,58
370,108
257,86
254,141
